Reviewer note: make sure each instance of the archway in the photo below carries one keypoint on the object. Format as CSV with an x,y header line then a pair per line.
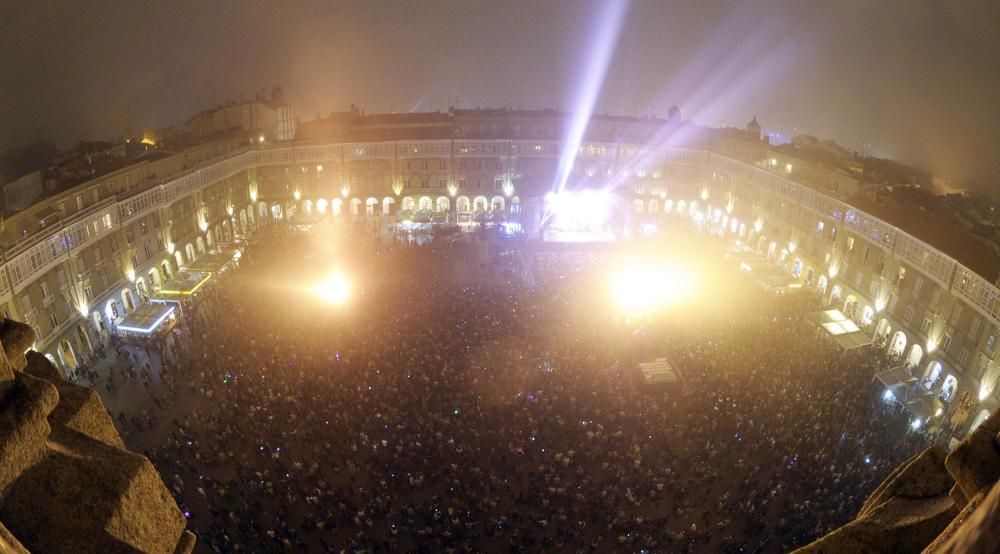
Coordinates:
x,y
948,389
111,310
797,268
425,203
409,204
480,204
442,204
821,284
371,206
637,205
882,330
321,206
243,220
515,205
835,294
276,211
355,206
681,207
914,358
127,300
165,268
867,314
463,205
668,206
497,204
931,375
209,240
897,345
652,206
201,244
180,259
189,251
154,278
67,354
307,207
140,287
850,306
336,207
810,275
387,203
262,210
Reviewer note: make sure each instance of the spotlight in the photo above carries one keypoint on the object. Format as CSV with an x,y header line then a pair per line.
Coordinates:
x,y
334,290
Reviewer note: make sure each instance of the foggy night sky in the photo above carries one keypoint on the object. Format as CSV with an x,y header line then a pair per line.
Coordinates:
x,y
918,81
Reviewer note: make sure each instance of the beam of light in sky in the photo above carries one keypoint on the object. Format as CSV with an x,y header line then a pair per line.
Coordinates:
x,y
598,58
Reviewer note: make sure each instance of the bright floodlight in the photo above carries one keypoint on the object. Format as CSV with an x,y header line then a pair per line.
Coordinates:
x,y
335,289
641,289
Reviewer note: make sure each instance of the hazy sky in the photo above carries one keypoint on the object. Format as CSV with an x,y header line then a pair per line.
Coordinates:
x,y
918,81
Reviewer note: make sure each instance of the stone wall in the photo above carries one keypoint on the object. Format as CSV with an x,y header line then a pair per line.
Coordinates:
x,y
67,482
935,503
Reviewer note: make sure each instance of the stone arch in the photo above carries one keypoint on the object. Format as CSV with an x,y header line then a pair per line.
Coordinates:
x,y
371,206
387,203
189,252
442,204
355,206
425,203
127,301
932,374
409,204
867,314
497,204
200,242
897,345
463,204
480,204
337,207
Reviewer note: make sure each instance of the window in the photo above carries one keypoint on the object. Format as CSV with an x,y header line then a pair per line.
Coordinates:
x,y
441,182
850,244
443,164
45,290
867,251
426,165
974,328
918,285
156,220
104,281
142,228
499,164
129,235
88,293
498,182
79,201
990,340
96,193
461,183
925,327
963,357
114,244
135,260
479,183
145,249
946,343
956,313
26,306
908,314
52,320
900,276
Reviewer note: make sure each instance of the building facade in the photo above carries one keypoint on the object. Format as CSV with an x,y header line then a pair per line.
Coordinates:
x,y
117,238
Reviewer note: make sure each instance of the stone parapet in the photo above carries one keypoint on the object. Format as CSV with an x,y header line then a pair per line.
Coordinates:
x,y
67,481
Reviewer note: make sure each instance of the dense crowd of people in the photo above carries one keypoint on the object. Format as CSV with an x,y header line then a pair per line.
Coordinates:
x,y
441,412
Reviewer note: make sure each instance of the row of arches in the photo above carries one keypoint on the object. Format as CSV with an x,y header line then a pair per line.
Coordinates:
x,y
440,204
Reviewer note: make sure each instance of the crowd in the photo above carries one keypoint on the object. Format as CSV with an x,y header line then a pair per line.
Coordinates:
x,y
440,413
